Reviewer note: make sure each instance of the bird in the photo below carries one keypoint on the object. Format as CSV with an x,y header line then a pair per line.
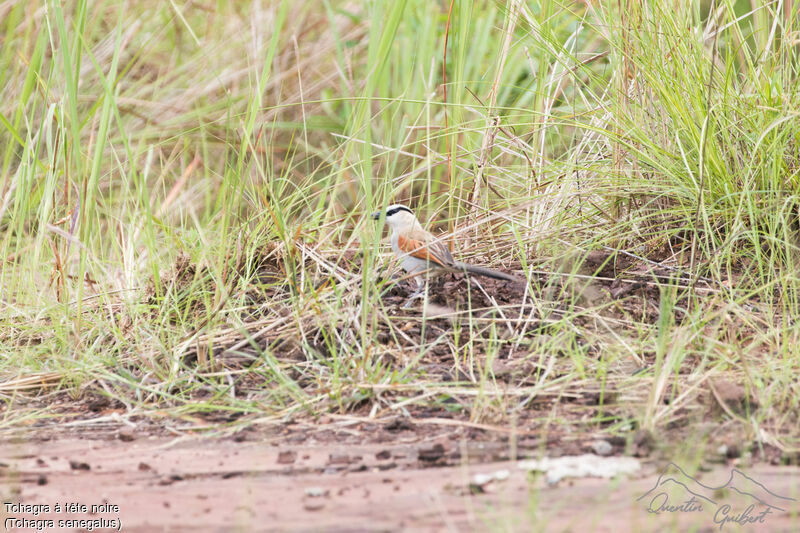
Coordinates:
x,y
420,252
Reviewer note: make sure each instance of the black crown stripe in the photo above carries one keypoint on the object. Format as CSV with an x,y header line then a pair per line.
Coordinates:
x,y
394,210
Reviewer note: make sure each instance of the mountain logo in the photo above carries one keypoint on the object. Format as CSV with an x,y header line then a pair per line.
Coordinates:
x,y
674,484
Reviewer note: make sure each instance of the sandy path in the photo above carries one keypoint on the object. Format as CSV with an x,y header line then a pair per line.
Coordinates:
x,y
221,485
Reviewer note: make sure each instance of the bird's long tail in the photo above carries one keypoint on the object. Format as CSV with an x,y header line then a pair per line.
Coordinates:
x,y
481,271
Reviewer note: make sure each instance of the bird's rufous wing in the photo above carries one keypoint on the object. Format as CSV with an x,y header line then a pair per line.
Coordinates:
x,y
419,246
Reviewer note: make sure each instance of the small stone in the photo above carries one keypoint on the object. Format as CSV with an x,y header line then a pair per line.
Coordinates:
x,y
399,424
339,459
286,457
383,455
482,479
601,447
733,452
432,454
126,434
78,465
316,492
502,475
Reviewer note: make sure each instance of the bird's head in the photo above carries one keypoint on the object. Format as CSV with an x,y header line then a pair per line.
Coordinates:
x,y
397,216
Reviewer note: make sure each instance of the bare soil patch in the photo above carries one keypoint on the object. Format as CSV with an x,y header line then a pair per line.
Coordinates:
x,y
422,483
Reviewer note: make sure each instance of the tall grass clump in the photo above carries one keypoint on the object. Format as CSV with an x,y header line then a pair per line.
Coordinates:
x,y
704,137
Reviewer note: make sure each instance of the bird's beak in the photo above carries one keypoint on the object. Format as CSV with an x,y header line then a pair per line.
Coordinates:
x,y
376,215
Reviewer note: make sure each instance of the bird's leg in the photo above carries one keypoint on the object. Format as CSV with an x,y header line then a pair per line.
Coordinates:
x,y
419,292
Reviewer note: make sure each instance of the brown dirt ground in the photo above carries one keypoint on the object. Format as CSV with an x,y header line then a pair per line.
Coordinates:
x,y
283,482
